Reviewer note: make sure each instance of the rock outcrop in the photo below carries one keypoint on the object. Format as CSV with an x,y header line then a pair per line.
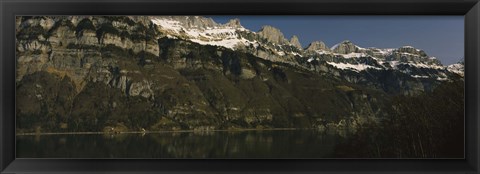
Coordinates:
x,y
272,34
345,47
295,42
411,54
317,46
458,68
234,23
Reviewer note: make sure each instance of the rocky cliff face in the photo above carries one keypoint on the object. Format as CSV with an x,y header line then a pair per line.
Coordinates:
x,y
168,73
296,43
317,46
269,43
345,47
273,35
458,68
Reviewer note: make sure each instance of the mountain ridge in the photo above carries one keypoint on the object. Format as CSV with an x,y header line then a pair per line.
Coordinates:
x,y
94,72
281,49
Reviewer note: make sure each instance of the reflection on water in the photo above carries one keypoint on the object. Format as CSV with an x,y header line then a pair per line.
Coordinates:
x,y
213,144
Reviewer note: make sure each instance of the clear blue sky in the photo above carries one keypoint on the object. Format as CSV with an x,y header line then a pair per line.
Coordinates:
x,y
439,36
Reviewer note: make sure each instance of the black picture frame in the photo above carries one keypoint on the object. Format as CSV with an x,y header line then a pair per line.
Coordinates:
x,y
10,8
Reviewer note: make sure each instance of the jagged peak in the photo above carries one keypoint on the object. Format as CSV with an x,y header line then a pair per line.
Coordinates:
x,y
198,22
295,42
340,43
272,34
345,47
269,27
458,67
317,45
234,23
411,50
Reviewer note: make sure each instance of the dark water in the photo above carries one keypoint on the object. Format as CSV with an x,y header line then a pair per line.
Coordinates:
x,y
218,144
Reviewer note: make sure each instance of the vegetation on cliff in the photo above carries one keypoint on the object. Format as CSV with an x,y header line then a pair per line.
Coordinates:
x,y
425,126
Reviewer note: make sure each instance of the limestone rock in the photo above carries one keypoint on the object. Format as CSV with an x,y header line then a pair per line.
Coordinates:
x,y
234,23
294,41
317,46
345,47
410,54
272,34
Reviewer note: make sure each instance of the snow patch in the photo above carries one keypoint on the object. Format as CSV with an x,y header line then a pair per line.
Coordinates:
x,y
353,55
296,54
310,59
456,68
355,67
395,64
418,76
322,52
442,78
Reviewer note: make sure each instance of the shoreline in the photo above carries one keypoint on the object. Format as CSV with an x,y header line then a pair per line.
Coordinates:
x,y
166,131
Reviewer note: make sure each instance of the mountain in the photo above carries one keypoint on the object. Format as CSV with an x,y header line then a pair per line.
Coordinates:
x,y
458,68
91,73
269,43
317,46
295,42
345,47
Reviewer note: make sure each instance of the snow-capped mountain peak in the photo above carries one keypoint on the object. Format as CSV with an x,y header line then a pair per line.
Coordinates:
x,y
270,43
202,30
345,47
458,68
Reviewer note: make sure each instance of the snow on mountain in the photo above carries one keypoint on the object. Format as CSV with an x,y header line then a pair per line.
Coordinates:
x,y
310,59
269,43
411,61
214,34
423,65
396,64
320,52
352,55
410,47
380,52
418,76
406,59
458,68
168,24
393,57
355,67
334,46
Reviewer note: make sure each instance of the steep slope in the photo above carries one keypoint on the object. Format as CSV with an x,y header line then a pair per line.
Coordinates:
x,y
269,43
167,73
458,68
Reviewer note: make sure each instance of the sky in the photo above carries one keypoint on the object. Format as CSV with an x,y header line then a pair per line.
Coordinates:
x,y
438,36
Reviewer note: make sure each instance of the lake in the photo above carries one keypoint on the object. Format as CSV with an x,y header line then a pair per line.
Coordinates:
x,y
212,144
